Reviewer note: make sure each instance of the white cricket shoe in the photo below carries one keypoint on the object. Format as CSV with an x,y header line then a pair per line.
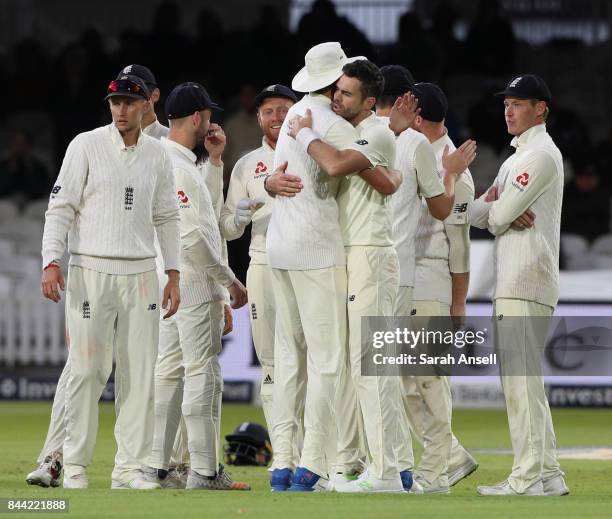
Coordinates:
x,y
76,481
175,478
463,471
367,483
432,488
416,488
342,478
48,472
555,486
221,481
137,480
504,489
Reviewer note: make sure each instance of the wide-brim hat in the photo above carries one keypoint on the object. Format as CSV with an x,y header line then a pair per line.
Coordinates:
x,y
323,67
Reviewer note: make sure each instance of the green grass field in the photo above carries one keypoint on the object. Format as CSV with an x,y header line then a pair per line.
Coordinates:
x,y
23,427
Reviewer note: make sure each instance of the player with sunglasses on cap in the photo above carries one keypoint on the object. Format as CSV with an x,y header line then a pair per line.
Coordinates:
x,y
50,459
115,191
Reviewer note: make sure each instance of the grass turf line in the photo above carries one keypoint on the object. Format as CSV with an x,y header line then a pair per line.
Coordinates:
x,y
24,425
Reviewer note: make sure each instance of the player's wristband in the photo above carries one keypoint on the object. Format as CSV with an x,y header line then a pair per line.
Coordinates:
x,y
305,136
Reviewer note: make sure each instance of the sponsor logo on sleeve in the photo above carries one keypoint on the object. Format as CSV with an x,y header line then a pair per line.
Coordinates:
x,y
182,197
521,181
261,170
361,142
55,191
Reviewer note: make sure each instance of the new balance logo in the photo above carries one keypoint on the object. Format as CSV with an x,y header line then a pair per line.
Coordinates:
x,y
86,310
152,307
361,142
413,311
253,311
500,317
129,198
352,298
460,208
56,189
268,379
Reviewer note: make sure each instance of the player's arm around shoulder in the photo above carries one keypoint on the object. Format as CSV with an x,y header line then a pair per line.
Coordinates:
x,y
332,151
529,178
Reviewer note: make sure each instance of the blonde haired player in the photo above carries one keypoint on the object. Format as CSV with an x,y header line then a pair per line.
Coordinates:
x,y
523,210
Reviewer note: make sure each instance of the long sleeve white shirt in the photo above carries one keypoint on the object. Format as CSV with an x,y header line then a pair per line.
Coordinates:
x,y
304,231
204,273
432,242
247,181
526,260
416,161
109,200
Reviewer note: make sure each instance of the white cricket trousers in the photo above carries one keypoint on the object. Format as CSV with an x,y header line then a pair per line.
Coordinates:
x,y
310,338
56,433
263,321
373,279
102,309
519,345
405,454
188,377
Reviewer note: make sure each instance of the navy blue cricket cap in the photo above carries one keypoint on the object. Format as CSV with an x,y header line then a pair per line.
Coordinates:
x,y
398,80
188,98
128,86
432,101
275,91
142,72
527,86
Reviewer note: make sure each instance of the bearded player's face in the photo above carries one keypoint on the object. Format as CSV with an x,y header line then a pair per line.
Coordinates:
x,y
348,99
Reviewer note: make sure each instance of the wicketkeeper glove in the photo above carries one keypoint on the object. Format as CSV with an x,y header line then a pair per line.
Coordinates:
x,y
245,210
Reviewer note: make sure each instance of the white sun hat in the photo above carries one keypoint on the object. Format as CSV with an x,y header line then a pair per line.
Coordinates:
x,y
324,64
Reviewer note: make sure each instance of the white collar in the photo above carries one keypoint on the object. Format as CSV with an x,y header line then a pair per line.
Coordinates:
x,y
179,148
117,139
528,135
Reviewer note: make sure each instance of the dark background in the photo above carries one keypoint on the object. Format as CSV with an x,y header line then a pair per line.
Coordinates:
x,y
56,59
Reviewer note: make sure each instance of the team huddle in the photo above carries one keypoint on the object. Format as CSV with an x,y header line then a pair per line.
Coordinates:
x,y
360,205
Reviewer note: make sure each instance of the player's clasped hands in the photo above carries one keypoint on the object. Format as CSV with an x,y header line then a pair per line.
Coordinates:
x,y
298,122
282,184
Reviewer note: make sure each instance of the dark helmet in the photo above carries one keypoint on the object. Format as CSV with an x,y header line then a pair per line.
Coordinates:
x,y
249,444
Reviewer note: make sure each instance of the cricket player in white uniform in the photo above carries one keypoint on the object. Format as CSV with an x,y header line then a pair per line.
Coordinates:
x,y
416,161
113,193
305,252
523,209
188,370
372,273
50,459
442,252
247,202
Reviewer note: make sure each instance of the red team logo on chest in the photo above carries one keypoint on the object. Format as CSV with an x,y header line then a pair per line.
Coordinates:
x,y
183,198
260,169
523,179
